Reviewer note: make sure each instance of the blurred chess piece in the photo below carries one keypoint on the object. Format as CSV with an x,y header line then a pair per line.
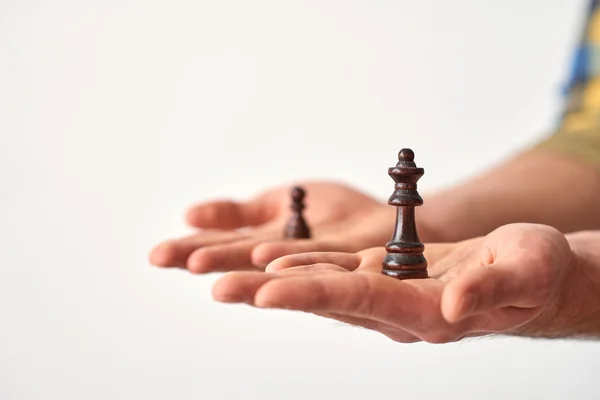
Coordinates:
x,y
297,228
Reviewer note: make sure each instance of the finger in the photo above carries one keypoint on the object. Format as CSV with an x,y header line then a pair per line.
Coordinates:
x,y
175,252
360,295
347,261
241,286
492,287
267,252
224,257
371,259
312,268
226,214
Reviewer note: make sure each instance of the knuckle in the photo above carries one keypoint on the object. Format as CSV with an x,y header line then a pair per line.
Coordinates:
x,y
199,262
543,247
546,251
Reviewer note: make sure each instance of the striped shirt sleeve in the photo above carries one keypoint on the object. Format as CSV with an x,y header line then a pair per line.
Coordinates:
x,y
578,130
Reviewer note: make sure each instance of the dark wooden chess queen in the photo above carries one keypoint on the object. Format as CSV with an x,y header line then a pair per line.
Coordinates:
x,y
404,258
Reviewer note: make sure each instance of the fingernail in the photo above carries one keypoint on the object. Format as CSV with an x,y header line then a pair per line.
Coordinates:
x,y
268,268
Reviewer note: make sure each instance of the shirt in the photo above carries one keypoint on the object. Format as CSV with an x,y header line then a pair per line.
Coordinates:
x,y
577,133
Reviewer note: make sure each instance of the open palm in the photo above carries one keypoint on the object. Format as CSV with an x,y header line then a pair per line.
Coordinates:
x,y
236,235
511,281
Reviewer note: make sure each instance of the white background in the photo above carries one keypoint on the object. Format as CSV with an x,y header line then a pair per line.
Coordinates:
x,y
117,115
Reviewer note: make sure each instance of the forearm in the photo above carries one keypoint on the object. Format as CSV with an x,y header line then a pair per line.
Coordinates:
x,y
536,187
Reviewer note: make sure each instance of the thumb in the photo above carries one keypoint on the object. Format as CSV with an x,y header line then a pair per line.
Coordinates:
x,y
491,287
227,214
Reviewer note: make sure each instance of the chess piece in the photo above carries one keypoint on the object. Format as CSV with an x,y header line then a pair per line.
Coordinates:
x,y
404,258
297,228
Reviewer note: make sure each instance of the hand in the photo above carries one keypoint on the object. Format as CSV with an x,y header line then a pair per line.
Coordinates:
x,y
341,219
512,281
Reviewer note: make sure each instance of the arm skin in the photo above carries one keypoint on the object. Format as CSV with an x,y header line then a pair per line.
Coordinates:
x,y
537,186
520,280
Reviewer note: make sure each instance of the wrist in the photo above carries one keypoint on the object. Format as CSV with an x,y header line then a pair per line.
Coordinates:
x,y
581,301
574,310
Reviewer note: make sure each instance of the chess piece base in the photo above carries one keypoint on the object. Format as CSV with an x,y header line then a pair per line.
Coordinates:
x,y
297,231
402,274
404,265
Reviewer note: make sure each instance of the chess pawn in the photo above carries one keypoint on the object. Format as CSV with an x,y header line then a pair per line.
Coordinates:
x,y
297,228
404,258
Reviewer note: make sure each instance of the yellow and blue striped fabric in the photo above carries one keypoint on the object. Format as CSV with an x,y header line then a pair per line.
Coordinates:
x,y
578,130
